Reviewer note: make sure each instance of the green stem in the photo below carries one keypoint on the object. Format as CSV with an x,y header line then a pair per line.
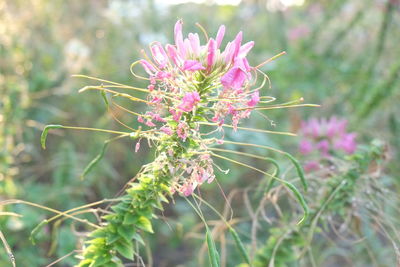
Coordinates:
x,y
130,217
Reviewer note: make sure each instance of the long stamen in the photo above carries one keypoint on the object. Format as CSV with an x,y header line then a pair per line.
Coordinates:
x,y
248,129
270,59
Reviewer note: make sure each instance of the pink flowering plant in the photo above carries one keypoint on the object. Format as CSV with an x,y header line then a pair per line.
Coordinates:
x,y
195,91
324,138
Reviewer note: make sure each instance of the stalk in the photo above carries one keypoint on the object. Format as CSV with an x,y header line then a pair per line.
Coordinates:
x,y
129,219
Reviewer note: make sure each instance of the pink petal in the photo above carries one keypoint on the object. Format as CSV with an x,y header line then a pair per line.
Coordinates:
x,y
179,38
228,53
234,78
220,35
255,98
192,65
159,55
194,43
237,43
244,49
148,67
173,54
212,48
166,130
323,146
305,147
137,146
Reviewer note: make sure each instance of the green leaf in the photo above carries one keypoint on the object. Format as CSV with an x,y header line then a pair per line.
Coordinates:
x,y
98,233
112,237
97,241
239,245
36,230
85,263
299,169
212,250
125,249
144,224
103,94
94,161
101,260
46,131
127,232
138,238
130,218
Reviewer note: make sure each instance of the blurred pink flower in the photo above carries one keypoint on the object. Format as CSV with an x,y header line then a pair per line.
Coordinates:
x,y
311,166
325,136
298,32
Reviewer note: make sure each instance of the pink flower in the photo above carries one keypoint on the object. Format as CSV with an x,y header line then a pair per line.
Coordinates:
x,y
173,54
194,43
323,146
347,143
181,131
234,78
227,55
335,126
189,101
176,115
326,136
161,75
188,188
220,35
255,98
179,38
311,166
159,55
156,100
157,117
305,147
137,146
298,32
192,65
244,49
148,67
166,130
140,119
150,123
212,49
237,43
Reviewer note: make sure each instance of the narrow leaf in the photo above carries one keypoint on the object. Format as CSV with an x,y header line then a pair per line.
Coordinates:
x,y
36,230
239,245
299,169
103,94
300,198
94,162
212,250
46,131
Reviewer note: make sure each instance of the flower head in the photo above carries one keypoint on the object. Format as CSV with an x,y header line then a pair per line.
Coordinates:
x,y
326,137
191,82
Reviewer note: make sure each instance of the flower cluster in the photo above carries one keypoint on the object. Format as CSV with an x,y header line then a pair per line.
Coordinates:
x,y
190,84
182,74
325,137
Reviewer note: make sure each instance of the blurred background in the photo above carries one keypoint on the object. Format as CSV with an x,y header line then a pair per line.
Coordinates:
x,y
341,54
